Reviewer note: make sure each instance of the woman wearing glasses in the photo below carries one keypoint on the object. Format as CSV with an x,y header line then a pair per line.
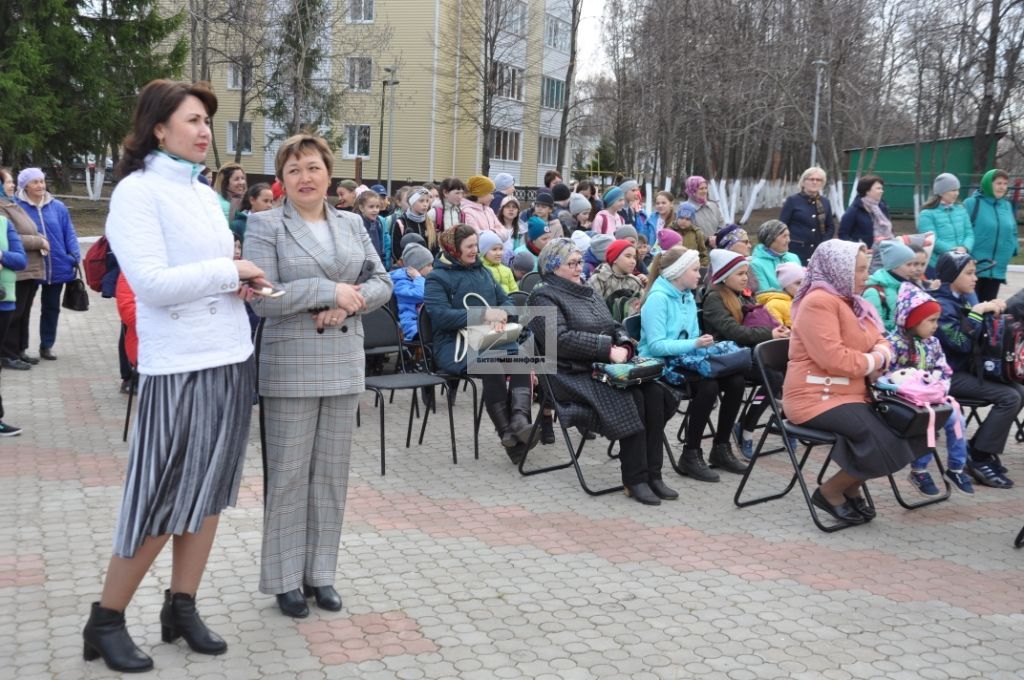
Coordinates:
x,y
808,214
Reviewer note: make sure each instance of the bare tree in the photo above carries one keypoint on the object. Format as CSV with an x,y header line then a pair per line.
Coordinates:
x,y
575,14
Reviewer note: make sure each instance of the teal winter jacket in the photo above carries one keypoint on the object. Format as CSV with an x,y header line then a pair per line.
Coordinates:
x,y
995,228
764,261
952,227
668,322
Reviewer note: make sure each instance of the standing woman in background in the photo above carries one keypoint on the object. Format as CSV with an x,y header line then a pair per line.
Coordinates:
x,y
995,231
54,224
808,214
311,371
15,342
195,367
230,186
709,218
12,259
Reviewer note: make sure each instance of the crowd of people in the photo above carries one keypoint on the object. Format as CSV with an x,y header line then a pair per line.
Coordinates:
x,y
200,268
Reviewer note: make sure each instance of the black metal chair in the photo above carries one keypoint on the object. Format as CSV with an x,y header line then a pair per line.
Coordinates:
x,y
519,298
529,282
382,333
774,356
133,386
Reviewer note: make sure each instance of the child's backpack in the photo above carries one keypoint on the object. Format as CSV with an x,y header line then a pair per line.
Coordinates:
x,y
999,352
622,303
95,263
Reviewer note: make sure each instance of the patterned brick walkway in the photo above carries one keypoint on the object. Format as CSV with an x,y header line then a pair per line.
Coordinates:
x,y
472,571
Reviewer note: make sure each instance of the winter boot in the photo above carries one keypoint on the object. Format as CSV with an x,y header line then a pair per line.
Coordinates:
x,y
106,635
498,413
692,462
519,417
723,457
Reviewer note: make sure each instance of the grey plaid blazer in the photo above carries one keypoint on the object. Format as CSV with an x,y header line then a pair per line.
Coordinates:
x,y
295,360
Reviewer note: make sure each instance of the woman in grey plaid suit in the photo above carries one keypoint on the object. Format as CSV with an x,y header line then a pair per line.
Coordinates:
x,y
311,368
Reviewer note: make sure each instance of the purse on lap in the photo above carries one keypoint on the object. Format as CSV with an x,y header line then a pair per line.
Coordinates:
x,y
482,336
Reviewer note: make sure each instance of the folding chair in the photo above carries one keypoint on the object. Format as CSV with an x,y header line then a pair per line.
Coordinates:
x,y
425,338
133,386
1019,541
774,355
382,332
529,282
519,298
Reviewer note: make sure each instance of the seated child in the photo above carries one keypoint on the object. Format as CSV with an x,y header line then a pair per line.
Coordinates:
x,y
883,286
643,251
593,257
629,233
616,275
538,233
409,282
491,251
522,264
917,272
693,238
779,302
772,250
667,238
915,345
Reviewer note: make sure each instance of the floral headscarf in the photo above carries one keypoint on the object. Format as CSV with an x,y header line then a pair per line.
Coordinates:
x,y
832,268
447,242
692,184
555,254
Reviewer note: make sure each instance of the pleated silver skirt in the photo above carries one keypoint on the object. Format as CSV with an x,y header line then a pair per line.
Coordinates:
x,y
187,452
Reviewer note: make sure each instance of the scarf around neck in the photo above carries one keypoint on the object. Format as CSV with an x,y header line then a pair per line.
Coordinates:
x,y
883,226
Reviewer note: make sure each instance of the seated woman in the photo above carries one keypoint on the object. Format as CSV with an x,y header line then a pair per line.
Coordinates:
x,y
725,308
587,333
457,272
668,320
836,343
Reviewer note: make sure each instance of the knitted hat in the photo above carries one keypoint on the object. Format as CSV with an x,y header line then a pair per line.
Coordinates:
x,y
581,240
578,203
769,231
945,182
683,264
544,198
615,249
724,263
599,245
509,199
349,184
379,189
950,265
409,238
488,239
626,231
555,254
730,235
478,185
524,261
628,184
789,273
536,227
922,312
895,254
687,210
416,256
611,196
668,238
29,174
561,192
503,181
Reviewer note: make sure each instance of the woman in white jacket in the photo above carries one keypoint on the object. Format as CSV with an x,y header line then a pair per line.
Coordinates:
x,y
195,363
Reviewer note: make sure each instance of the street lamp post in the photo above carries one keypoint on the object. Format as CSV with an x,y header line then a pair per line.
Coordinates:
x,y
820,64
391,121
380,130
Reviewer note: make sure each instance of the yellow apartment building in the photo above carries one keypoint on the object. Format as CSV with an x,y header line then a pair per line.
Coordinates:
x,y
437,131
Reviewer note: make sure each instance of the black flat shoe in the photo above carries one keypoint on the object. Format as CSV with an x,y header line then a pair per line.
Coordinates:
x,y
662,490
642,494
47,353
843,513
861,505
326,597
27,359
293,604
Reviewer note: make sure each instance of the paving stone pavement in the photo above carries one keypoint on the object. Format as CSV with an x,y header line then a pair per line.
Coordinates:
x,y
471,571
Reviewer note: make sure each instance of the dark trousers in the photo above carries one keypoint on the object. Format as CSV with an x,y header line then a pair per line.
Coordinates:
x,y
703,394
49,314
760,401
642,454
16,340
987,289
494,386
5,324
1006,401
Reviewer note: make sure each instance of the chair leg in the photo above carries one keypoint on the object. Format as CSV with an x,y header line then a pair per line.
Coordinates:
x,y
128,412
426,417
932,500
381,425
1019,541
451,428
522,461
412,411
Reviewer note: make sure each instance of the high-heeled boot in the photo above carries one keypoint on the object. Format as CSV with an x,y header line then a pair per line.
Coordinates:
x,y
497,411
105,635
179,618
521,402
547,429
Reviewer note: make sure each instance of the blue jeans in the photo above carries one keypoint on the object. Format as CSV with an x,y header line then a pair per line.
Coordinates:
x,y
956,447
49,312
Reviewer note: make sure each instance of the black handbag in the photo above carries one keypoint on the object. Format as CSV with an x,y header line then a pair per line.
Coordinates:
x,y
909,420
76,295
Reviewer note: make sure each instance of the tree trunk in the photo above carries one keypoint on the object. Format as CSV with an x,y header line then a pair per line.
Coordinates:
x,y
982,139
575,7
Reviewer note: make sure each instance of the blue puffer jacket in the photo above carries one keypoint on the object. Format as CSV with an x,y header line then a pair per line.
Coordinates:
x,y
445,288
995,232
53,221
668,322
857,225
959,327
952,227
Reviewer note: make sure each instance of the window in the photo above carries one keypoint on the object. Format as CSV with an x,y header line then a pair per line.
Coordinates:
x,y
547,151
239,139
504,145
359,73
360,11
508,80
512,15
357,141
234,77
552,93
556,33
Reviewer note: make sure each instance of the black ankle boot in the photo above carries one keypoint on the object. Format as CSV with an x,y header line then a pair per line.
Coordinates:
x,y
692,462
179,618
519,423
662,490
498,413
547,429
642,494
723,457
106,636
